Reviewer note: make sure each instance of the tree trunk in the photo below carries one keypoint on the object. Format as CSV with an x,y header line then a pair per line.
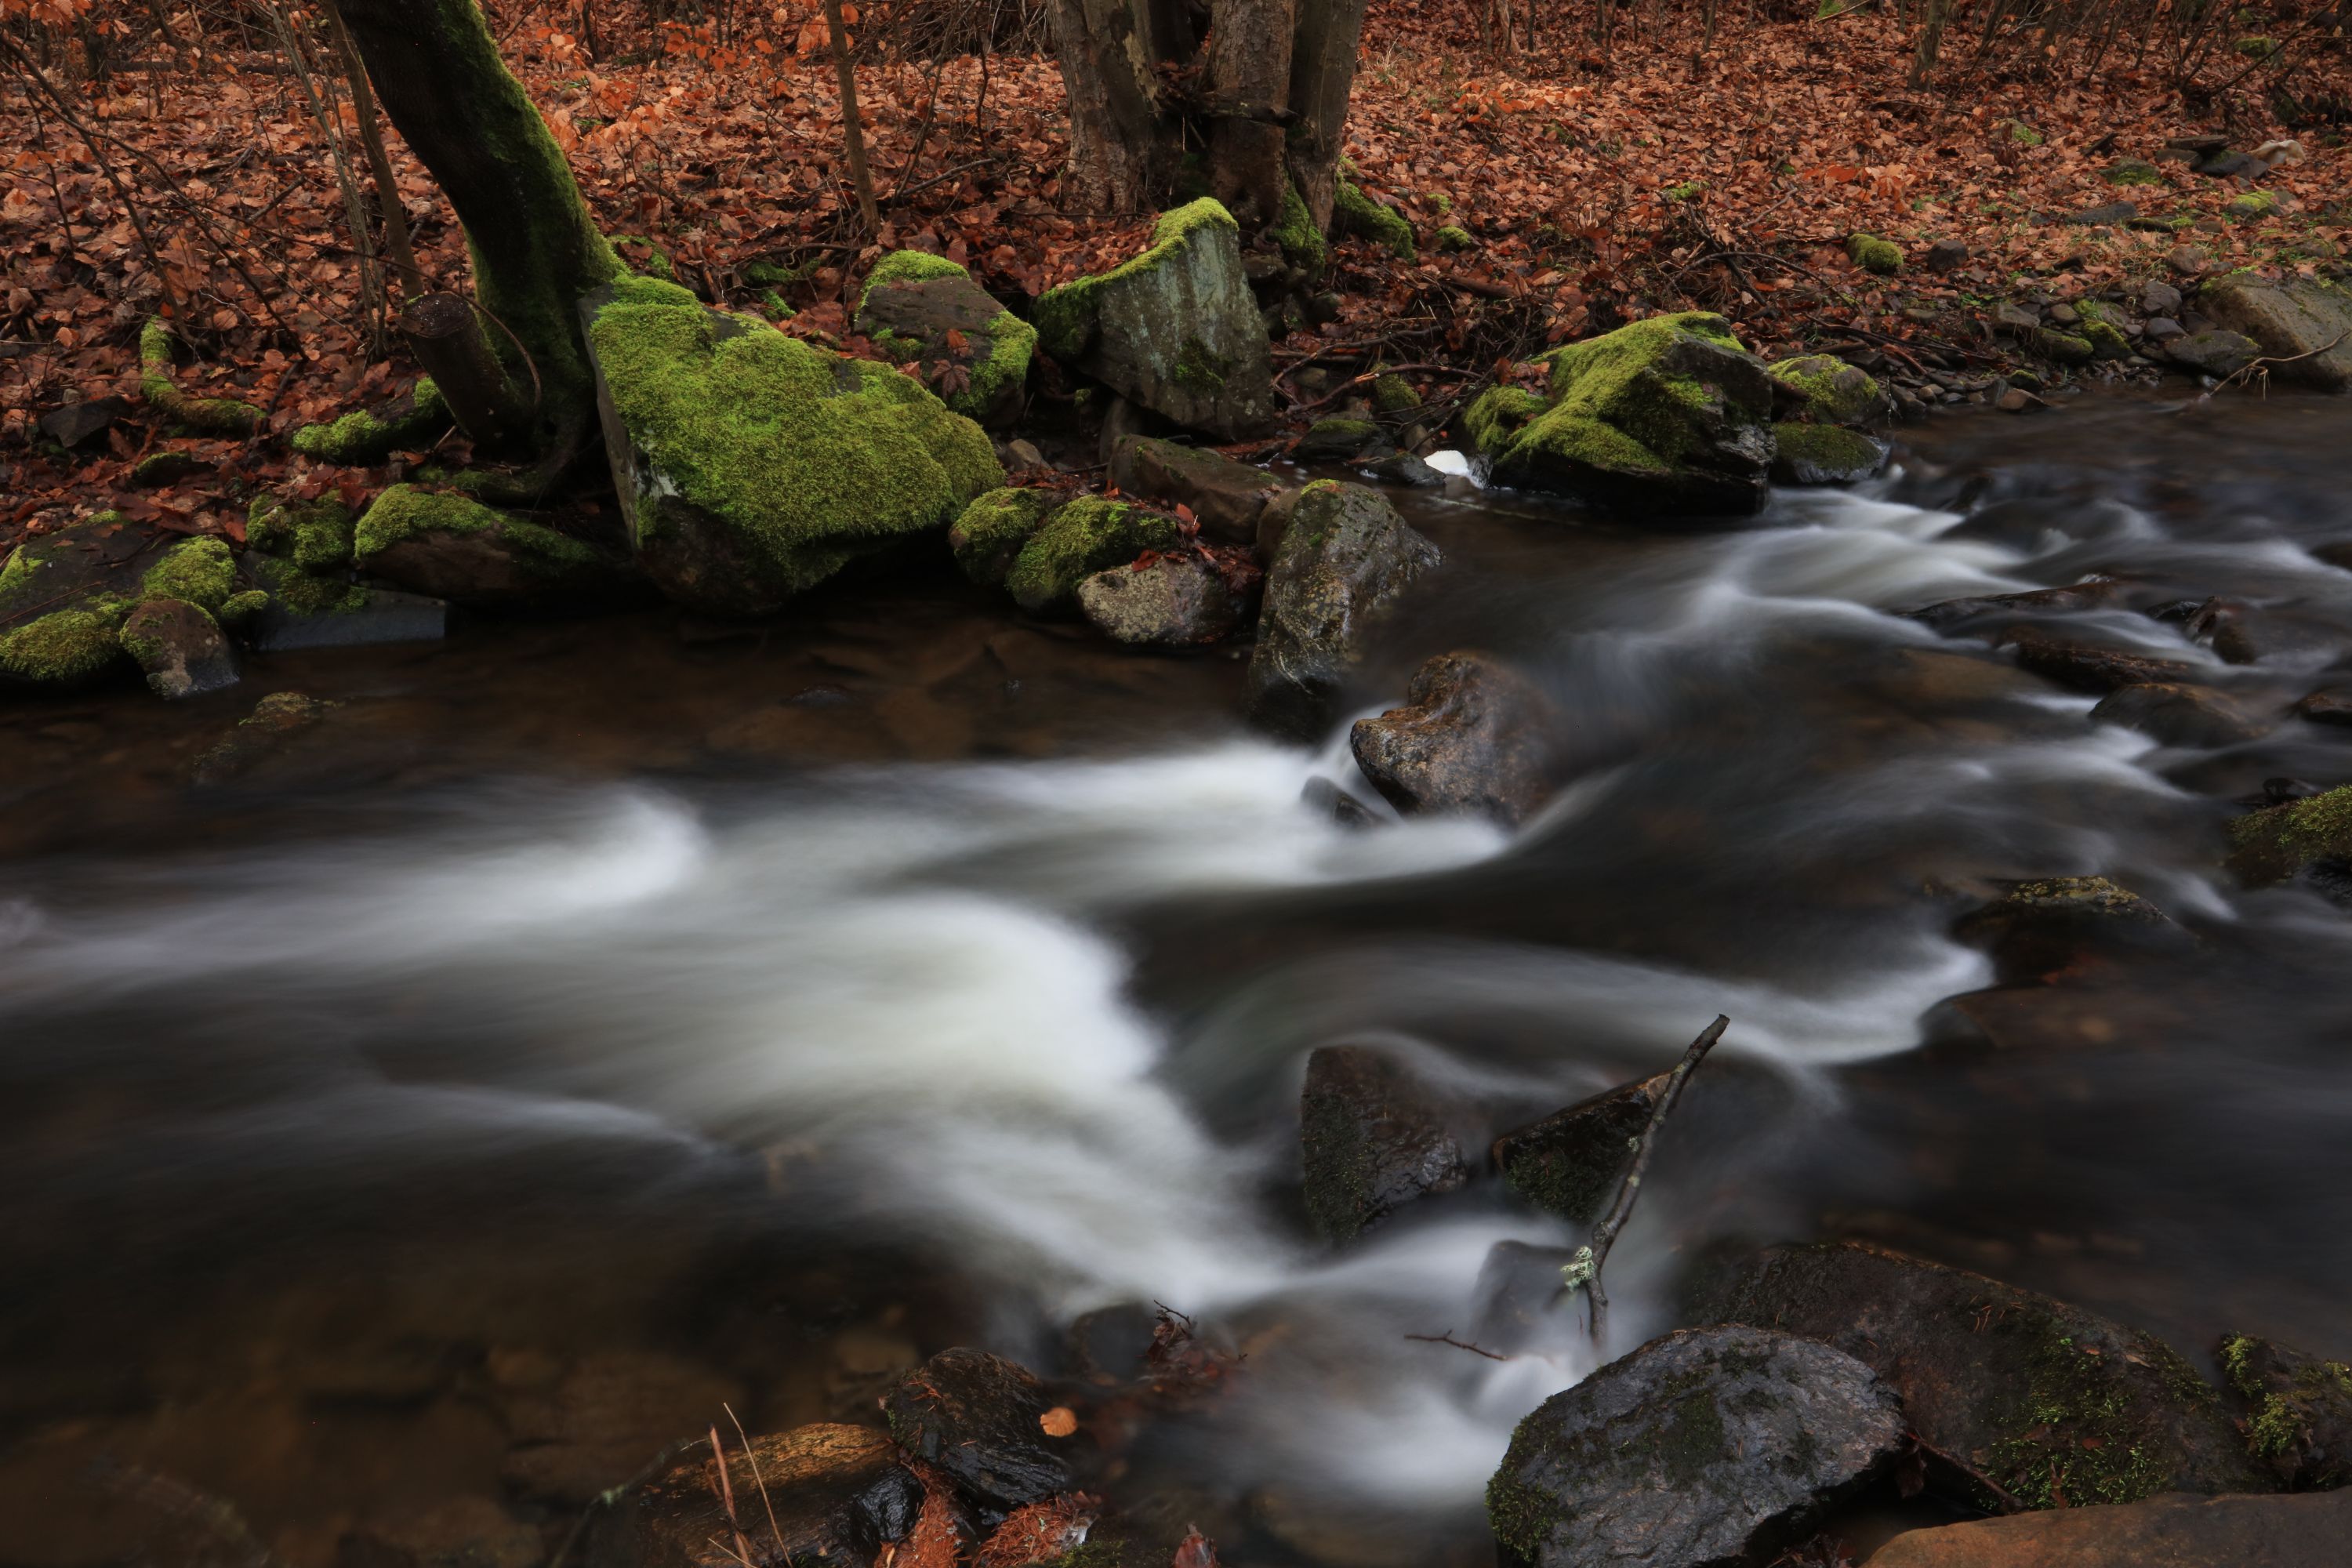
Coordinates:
x,y
536,251
1322,75
1121,152
1249,87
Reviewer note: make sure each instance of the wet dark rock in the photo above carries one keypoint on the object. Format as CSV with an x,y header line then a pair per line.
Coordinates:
x,y
2019,319
2104,214
2186,260
2298,1410
2329,705
2087,667
2086,595
836,1492
1707,1448
2033,1403
1323,796
464,1533
1341,440
2162,1533
2214,353
2038,928
1824,455
1168,600
359,616
2270,846
2303,324
1372,1138
1568,1164
1226,496
448,546
1473,736
2176,715
275,720
575,1431
180,648
976,1417
77,423
1345,556
1404,468
2160,299
1947,256
2162,330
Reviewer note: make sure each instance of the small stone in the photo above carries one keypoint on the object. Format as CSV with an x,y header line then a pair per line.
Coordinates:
x,y
2105,214
2186,259
1947,256
1707,1447
2024,320
77,422
1169,601
2160,299
979,1417
2216,352
2298,1410
1882,257
2064,347
2134,172
158,469
1023,454
2066,315
1372,1138
180,647
2329,705
2161,329
2017,400
275,720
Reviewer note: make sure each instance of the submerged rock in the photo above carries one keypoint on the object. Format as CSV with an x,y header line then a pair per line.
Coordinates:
x,y
1372,1138
979,1418
2089,667
1344,558
2303,324
1669,414
1948,613
752,465
913,299
1707,1448
1180,600
1175,331
2037,928
2298,1410
1570,1163
2271,845
180,648
1227,497
275,720
2162,1533
452,547
2037,1404
2178,715
1090,534
824,1494
1474,735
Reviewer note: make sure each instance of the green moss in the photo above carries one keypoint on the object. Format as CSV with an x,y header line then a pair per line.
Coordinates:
x,y
909,266
1874,254
1453,240
1489,423
2256,48
1353,212
1089,535
807,456
2073,1440
370,436
1393,393
2018,132
1092,1555
1617,409
61,649
1065,316
988,538
2134,172
316,535
239,608
199,571
2271,845
203,416
1201,368
2066,348
2250,205
1835,392
2097,326
1816,453
1302,243
405,512
1689,190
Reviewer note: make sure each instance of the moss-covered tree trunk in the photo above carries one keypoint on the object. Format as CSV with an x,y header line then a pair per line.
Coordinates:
x,y
536,251
1269,103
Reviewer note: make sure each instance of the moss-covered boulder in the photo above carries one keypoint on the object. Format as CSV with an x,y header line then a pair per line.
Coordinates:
x,y
1874,254
2101,326
2298,1410
2271,845
2304,323
1498,415
1710,1446
63,598
1824,455
989,535
1355,213
1086,536
2054,1405
752,465
367,436
455,548
1175,331
180,648
1341,439
1666,415
1344,559
914,300
62,649
1826,390
314,535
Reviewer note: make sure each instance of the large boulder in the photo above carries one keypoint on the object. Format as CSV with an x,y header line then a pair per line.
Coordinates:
x,y
1497,416
914,300
2298,1410
1345,556
1372,1138
1666,415
1227,497
1175,331
1706,1448
1570,1163
1473,736
2162,1533
452,547
2304,325
981,1419
824,1495
2031,1402
752,465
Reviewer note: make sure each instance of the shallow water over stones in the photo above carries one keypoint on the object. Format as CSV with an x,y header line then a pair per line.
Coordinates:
x,y
582,1028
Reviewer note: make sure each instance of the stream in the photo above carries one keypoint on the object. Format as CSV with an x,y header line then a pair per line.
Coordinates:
x,y
594,1028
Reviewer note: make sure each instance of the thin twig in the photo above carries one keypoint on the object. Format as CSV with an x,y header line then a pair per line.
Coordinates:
x,y
727,1495
2254,364
1447,1338
757,1480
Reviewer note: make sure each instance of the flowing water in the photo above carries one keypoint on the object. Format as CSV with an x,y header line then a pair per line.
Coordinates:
x,y
589,1027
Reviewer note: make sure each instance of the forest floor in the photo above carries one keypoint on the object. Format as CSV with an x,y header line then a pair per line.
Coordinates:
x,y
1594,190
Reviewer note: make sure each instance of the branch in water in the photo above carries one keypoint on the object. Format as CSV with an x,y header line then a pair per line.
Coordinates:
x,y
1447,1338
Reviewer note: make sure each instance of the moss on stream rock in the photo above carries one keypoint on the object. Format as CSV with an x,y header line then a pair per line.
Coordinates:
x,y
752,465
2271,845
913,300
989,535
1668,414
62,648
1498,415
1833,391
1089,535
452,547
1824,455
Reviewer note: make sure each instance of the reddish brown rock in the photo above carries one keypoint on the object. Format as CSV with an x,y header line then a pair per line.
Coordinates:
x,y
2163,1532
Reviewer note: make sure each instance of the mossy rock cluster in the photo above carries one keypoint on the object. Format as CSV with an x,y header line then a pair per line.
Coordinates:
x,y
1039,545
452,547
913,300
1176,331
85,602
752,465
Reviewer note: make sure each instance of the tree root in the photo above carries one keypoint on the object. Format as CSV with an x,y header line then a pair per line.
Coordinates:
x,y
198,415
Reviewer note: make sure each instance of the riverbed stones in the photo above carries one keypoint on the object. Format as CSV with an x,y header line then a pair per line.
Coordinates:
x,y
925,312
2271,845
1183,599
179,648
2304,325
273,724
752,465
1175,331
2034,1402
2298,1410
1227,498
2087,667
1668,415
1080,538
1570,1163
2161,1533
2037,928
1374,1137
979,1418
2215,351
824,1494
2175,714
1345,558
449,546
1474,737
1709,1446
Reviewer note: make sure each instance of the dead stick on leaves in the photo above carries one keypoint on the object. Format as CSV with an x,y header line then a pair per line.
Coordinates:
x,y
1585,1269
